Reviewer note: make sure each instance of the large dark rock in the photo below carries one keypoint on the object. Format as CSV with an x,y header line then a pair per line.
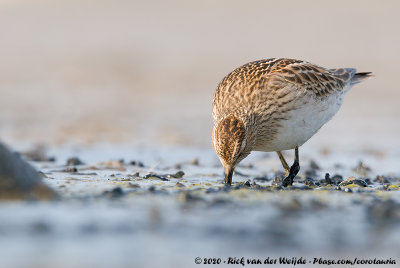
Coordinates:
x,y
19,180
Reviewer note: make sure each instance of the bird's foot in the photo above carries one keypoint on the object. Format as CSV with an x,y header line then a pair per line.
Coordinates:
x,y
294,169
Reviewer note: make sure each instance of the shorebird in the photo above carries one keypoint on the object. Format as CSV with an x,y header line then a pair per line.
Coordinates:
x,y
274,105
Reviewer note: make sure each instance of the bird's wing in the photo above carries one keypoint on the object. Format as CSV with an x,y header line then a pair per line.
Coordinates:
x,y
308,77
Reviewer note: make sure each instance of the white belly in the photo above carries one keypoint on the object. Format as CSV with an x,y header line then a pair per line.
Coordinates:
x,y
303,123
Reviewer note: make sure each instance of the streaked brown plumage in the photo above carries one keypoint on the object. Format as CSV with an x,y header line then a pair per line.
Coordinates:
x,y
275,105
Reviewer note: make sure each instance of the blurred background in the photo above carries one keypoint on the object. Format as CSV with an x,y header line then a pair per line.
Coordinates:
x,y
139,77
144,72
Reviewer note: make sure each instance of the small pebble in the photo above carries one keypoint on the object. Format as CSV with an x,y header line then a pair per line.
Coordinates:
x,y
154,176
368,181
136,163
382,179
177,175
336,179
309,182
386,187
134,175
255,185
71,169
353,180
328,179
74,161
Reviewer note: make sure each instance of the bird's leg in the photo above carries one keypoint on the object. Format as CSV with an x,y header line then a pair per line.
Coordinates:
x,y
294,169
284,163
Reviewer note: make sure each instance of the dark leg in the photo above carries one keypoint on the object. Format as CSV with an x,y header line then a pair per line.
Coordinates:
x,y
294,169
284,163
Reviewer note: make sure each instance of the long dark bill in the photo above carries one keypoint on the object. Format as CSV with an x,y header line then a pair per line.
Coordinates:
x,y
228,176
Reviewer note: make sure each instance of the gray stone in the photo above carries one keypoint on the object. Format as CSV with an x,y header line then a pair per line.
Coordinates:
x,y
19,180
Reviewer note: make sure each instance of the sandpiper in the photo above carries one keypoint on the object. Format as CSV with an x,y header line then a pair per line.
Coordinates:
x,y
274,105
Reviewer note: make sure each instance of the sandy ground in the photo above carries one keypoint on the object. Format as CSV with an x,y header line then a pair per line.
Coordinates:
x,y
133,80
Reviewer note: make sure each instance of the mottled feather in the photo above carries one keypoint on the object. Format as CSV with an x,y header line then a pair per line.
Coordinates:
x,y
228,137
278,79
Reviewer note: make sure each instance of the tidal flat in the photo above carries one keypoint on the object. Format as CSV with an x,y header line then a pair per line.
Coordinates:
x,y
124,206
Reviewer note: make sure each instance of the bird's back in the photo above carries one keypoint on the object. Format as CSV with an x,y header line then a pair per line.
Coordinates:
x,y
274,83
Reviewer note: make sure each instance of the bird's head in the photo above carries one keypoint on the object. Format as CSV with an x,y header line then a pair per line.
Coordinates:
x,y
232,142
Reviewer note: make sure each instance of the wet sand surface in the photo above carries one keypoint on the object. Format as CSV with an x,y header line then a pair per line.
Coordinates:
x,y
123,206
